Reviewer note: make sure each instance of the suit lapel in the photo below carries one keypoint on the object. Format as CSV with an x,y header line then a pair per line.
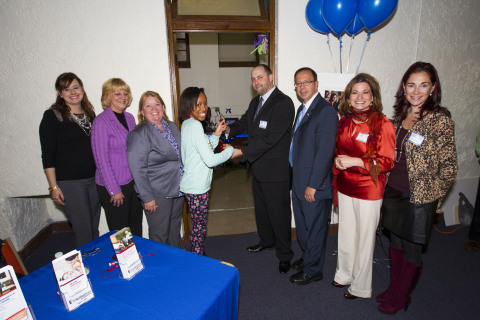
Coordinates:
x,y
156,136
310,110
266,104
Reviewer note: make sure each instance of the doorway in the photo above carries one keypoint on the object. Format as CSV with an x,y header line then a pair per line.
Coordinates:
x,y
214,16
211,19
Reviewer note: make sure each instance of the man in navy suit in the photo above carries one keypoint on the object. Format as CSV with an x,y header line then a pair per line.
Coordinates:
x,y
268,122
311,155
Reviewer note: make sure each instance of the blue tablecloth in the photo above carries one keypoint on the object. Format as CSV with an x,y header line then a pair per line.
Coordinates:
x,y
175,284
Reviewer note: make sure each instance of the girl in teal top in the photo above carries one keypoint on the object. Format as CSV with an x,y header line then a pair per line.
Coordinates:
x,y
198,160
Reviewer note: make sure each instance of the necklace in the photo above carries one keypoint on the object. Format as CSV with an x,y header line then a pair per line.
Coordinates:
x,y
83,122
398,155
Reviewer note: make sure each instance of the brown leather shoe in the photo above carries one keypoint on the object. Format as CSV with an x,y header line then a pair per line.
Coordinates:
x,y
336,284
350,296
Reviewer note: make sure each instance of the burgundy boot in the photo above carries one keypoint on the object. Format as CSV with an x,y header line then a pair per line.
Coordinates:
x,y
400,298
416,277
396,266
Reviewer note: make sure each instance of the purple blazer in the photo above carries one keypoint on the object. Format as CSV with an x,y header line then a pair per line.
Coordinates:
x,y
109,146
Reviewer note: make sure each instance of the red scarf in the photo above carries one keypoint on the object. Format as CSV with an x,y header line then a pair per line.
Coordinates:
x,y
361,116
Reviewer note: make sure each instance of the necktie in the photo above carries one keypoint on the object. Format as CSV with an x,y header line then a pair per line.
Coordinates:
x,y
299,120
260,104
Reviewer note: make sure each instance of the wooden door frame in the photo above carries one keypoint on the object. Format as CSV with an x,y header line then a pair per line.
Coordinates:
x,y
266,23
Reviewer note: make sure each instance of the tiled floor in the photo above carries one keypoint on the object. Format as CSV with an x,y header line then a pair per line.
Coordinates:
x,y
231,201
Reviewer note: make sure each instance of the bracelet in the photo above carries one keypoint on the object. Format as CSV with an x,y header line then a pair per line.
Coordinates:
x,y
54,188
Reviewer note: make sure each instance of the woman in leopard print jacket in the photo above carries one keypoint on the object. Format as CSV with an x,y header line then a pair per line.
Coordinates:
x,y
425,168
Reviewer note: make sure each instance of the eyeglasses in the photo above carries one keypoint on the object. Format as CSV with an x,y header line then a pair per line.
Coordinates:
x,y
304,83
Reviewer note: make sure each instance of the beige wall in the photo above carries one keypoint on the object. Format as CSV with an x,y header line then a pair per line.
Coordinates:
x,y
103,39
41,39
225,87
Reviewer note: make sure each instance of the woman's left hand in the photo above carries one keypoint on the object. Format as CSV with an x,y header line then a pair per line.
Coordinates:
x,y
221,127
150,206
344,162
117,200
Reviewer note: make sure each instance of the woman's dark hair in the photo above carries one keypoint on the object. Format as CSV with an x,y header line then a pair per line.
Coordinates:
x,y
377,106
332,96
63,81
188,100
432,104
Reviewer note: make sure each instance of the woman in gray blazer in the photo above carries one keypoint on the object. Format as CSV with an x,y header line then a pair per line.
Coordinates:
x,y
154,158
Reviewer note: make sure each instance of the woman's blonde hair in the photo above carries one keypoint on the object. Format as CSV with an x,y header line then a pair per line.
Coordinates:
x,y
114,85
145,95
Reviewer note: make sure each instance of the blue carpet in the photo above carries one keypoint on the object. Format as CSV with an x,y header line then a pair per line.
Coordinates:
x,y
446,289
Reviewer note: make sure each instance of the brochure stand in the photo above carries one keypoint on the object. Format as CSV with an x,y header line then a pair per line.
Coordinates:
x,y
65,301
129,259
74,287
12,301
30,310
136,271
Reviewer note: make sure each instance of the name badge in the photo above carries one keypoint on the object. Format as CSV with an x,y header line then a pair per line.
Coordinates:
x,y
362,137
263,124
416,139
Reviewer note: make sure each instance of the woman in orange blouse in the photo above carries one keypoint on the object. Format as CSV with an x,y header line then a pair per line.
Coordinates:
x,y
365,151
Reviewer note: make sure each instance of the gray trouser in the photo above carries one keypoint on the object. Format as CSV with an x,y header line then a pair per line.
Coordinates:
x,y
164,224
82,208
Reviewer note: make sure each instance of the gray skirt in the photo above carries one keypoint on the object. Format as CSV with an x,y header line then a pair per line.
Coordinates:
x,y
410,221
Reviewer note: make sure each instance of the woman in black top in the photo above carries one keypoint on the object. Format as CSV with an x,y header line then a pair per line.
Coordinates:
x,y
68,159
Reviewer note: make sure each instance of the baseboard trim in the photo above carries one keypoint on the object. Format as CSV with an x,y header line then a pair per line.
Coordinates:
x,y
42,236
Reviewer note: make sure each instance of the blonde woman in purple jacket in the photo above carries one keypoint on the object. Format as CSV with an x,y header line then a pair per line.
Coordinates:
x,y
109,144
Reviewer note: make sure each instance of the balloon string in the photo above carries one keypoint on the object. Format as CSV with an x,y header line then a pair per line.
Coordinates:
x,y
331,54
351,45
350,52
341,71
363,50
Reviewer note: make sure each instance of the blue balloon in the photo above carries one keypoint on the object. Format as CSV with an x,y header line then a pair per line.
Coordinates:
x,y
338,14
375,12
355,27
313,14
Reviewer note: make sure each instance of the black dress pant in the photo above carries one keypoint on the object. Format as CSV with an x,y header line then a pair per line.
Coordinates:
x,y
129,214
273,216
